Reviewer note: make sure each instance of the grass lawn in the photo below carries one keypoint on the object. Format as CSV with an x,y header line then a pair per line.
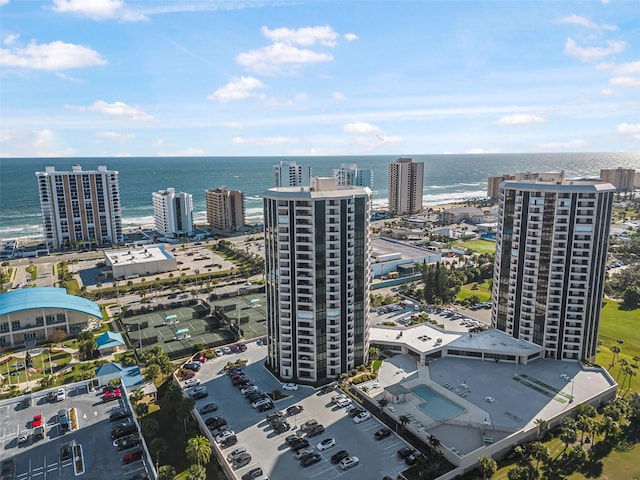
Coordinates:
x,y
483,291
480,246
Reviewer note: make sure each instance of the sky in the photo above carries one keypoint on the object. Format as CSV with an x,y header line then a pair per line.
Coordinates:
x,y
105,78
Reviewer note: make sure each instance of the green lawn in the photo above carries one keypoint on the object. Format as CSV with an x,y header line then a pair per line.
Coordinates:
x,y
483,291
480,246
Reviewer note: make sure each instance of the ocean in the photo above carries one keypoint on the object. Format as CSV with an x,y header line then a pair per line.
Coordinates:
x,y
447,178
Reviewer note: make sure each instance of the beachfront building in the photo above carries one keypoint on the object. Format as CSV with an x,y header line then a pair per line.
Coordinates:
x,y
173,213
149,260
30,316
493,183
225,210
350,174
317,258
406,179
289,174
624,179
551,249
80,208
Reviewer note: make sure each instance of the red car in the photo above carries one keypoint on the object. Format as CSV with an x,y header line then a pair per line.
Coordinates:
x,y
132,456
37,421
109,396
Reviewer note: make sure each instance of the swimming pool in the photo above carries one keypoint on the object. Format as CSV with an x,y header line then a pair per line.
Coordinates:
x,y
436,405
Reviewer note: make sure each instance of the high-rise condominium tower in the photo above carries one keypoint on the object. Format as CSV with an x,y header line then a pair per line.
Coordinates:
x,y
493,183
80,208
550,259
317,279
225,209
624,179
350,174
406,179
173,213
290,174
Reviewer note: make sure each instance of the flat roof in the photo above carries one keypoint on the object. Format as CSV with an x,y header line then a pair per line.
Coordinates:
x,y
422,338
46,297
386,246
494,341
151,253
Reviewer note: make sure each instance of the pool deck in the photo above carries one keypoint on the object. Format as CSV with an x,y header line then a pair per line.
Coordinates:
x,y
541,389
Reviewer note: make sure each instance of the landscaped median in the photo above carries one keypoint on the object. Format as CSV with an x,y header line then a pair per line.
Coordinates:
x,y
73,418
78,460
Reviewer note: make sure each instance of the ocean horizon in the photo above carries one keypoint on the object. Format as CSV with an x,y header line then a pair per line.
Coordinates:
x,y
448,178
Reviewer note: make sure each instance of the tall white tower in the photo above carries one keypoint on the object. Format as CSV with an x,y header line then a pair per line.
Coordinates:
x,y
80,208
317,250
406,180
289,174
173,213
548,281
350,174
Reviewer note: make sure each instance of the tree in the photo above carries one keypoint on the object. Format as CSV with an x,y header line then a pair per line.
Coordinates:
x,y
196,472
543,427
157,446
198,450
383,402
403,419
568,435
585,425
151,372
487,466
166,472
615,350
538,452
136,395
434,442
173,396
57,336
47,381
631,297
421,465
150,427
521,472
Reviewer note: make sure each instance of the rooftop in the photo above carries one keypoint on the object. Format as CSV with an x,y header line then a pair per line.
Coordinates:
x,y
142,255
46,297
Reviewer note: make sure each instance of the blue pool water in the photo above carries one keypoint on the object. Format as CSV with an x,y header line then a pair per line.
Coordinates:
x,y
435,405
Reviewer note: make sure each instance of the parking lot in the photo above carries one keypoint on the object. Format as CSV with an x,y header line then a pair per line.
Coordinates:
x,y
40,459
269,449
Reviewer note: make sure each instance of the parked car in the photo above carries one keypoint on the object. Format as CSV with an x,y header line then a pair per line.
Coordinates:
x,y
349,462
289,386
260,402
218,352
215,422
326,389
61,394
132,456
209,407
193,366
315,431
110,396
301,453
361,417
236,453
326,444
299,444
413,458
63,420
192,382
226,350
128,443
337,457
38,433
265,407
24,436
65,452
294,409
404,452
274,416
221,436
228,441
249,389
199,395
241,460
119,414
124,431
382,433
308,425
37,421
140,476
253,473
310,460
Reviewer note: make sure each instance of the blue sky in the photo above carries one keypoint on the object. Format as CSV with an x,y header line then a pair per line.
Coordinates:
x,y
240,78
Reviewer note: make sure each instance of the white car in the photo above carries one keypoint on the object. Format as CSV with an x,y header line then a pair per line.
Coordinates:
x,y
223,435
289,386
226,350
259,403
24,436
192,382
343,402
61,394
326,444
236,453
347,463
250,389
195,390
336,398
361,417
218,352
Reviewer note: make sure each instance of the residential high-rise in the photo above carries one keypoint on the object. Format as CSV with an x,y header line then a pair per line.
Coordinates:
x,y
80,208
493,183
551,252
624,179
290,174
350,174
225,209
406,179
317,258
173,213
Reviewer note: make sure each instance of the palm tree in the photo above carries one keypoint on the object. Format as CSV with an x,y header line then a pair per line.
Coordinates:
x,y
434,442
543,427
403,419
383,402
150,427
198,450
166,472
136,395
487,467
196,472
623,366
584,424
421,465
568,435
538,452
157,446
615,350
151,372
173,396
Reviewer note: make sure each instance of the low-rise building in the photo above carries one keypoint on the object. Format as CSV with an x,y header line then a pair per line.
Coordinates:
x,y
134,263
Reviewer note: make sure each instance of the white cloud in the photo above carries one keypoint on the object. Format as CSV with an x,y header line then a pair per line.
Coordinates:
x,y
305,36
625,81
574,19
301,97
521,119
590,54
45,144
360,127
478,151
51,56
265,141
158,143
573,144
187,152
118,109
609,92
238,88
97,9
621,68
10,39
629,129
3,2
350,37
115,136
279,57
339,96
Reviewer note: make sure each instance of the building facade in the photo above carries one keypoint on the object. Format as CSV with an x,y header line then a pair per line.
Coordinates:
x,y
493,183
225,209
173,213
289,174
317,258
80,208
350,174
406,179
624,179
551,251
